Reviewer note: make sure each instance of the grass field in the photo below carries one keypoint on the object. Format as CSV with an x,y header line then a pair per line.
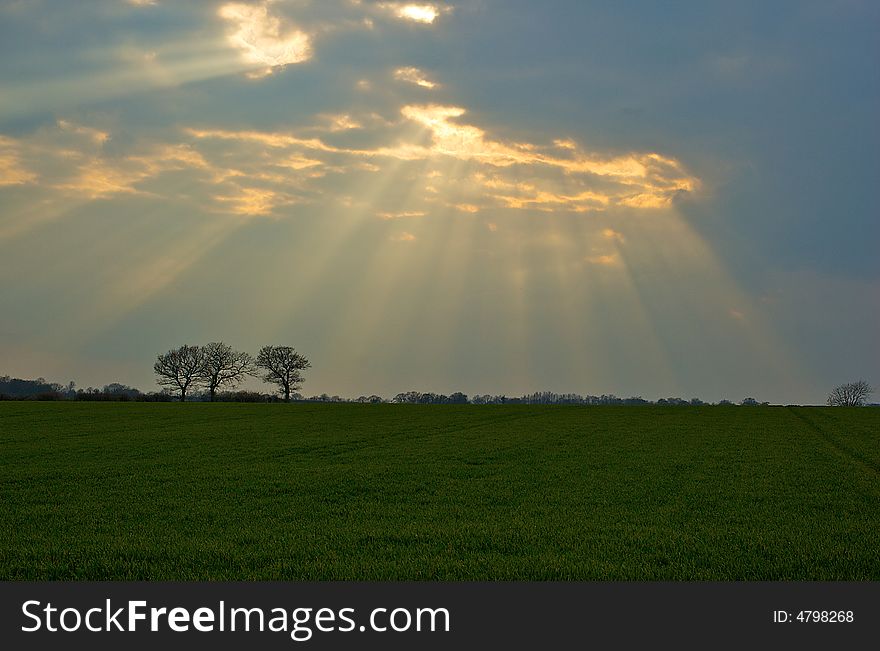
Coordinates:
x,y
311,491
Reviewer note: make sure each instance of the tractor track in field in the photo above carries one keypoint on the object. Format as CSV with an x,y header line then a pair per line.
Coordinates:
x,y
496,420
845,450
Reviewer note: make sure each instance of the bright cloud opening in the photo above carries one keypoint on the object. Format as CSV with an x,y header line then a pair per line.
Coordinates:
x,y
260,37
425,14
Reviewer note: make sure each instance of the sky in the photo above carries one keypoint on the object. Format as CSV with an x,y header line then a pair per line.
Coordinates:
x,y
493,196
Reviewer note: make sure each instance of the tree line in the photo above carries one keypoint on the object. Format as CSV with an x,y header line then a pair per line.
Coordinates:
x,y
216,373
551,398
217,366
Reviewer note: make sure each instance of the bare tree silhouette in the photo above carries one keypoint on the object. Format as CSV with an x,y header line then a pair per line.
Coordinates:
x,y
180,368
853,394
282,366
224,367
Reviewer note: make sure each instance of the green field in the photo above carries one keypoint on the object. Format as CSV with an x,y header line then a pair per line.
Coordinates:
x,y
313,492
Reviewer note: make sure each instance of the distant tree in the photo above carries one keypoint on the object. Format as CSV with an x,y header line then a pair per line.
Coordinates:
x,y
853,394
749,402
113,392
163,396
116,387
243,396
370,400
458,398
224,367
408,397
282,366
180,369
18,388
121,390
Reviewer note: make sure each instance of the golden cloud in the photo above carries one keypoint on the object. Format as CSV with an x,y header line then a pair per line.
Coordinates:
x,y
588,182
97,136
12,171
407,214
340,122
268,138
635,180
415,76
456,164
611,234
97,178
254,202
604,260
